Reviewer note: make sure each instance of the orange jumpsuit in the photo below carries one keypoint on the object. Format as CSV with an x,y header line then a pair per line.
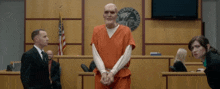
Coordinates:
x,y
110,50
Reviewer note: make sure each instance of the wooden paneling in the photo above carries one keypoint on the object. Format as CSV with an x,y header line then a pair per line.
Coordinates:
x,y
176,80
88,81
145,70
136,4
145,73
70,68
54,48
28,47
166,31
193,66
188,82
51,8
93,17
72,30
155,31
3,82
170,50
69,50
73,50
170,31
148,4
41,8
10,80
137,33
51,28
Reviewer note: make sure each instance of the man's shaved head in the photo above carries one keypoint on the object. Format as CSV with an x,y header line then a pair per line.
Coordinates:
x,y
111,5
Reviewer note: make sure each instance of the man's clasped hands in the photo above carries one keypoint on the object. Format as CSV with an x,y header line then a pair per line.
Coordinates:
x,y
107,78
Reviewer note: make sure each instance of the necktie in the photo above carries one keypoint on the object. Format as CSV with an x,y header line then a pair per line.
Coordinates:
x,y
44,56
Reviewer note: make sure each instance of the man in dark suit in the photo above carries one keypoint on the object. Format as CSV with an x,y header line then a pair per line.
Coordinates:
x,y
54,73
34,64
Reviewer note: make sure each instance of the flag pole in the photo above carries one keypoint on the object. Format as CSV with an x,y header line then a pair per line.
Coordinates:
x,y
60,52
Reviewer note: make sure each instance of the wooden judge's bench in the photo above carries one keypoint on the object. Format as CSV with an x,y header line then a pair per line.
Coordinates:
x,y
148,72
145,71
10,80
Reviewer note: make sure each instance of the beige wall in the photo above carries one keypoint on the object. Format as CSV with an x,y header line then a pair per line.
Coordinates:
x,y
173,32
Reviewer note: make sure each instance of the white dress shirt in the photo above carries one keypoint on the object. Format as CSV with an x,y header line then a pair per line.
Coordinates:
x,y
39,51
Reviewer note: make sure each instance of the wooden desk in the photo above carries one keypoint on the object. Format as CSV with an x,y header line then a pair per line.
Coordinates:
x,y
193,66
87,80
145,70
10,80
186,80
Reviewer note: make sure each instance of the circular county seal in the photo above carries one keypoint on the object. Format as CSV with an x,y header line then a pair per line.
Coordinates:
x,y
129,17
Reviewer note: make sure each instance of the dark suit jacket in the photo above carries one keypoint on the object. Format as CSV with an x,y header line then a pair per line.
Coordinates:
x,y
34,71
179,67
55,75
212,70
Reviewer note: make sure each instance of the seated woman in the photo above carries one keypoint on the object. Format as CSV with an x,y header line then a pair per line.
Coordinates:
x,y
179,62
201,49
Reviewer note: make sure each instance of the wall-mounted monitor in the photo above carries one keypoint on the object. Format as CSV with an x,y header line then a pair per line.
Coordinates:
x,y
175,9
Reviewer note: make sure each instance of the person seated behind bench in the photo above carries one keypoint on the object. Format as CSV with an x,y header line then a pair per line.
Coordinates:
x,y
179,62
54,71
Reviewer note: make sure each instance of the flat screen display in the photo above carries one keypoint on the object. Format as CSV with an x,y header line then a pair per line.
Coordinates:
x,y
175,9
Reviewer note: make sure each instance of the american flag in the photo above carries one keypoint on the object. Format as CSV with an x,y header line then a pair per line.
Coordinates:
x,y
62,41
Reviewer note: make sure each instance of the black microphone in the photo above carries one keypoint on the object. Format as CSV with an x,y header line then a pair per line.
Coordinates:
x,y
85,68
92,66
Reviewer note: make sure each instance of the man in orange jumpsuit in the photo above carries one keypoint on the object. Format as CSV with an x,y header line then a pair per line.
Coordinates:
x,y
112,45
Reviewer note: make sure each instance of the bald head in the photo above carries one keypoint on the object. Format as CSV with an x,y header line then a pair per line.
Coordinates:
x,y
111,5
50,54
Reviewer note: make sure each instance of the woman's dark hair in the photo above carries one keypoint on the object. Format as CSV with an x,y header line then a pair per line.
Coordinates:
x,y
203,42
